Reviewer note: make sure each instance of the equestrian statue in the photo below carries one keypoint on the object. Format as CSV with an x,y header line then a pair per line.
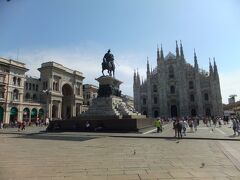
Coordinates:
x,y
108,64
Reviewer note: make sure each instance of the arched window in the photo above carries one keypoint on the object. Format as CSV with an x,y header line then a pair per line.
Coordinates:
x,y
27,96
172,89
34,97
206,97
1,94
14,80
154,88
144,101
15,94
192,98
155,100
56,86
19,81
171,72
26,87
191,85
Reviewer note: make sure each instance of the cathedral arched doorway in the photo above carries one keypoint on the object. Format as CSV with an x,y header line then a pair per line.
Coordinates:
x,y
67,98
156,114
174,112
193,112
208,112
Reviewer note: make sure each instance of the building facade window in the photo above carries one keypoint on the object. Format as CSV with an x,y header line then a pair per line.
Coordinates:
x,y
155,100
154,88
171,72
27,96
1,94
206,97
191,85
192,99
144,101
14,80
34,97
172,89
19,81
30,86
26,87
15,94
36,87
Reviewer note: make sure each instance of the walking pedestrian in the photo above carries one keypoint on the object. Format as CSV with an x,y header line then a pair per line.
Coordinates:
x,y
158,125
234,126
179,129
185,125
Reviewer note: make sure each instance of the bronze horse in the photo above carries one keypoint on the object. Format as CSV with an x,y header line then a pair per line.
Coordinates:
x,y
108,64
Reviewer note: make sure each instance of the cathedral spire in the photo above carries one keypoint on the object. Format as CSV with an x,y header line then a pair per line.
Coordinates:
x,y
158,54
162,57
195,60
138,78
134,77
177,50
148,69
215,68
210,68
181,50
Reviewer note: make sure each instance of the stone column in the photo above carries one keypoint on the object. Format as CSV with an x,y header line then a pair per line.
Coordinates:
x,y
20,114
50,110
59,109
73,109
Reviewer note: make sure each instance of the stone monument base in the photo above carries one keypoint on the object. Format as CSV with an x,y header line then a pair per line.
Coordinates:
x,y
108,112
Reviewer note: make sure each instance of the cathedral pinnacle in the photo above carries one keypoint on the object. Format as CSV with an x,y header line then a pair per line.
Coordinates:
x,y
195,60
177,50
181,50
210,68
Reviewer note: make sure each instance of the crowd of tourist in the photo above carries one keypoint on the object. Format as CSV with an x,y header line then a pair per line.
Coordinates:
x,y
180,125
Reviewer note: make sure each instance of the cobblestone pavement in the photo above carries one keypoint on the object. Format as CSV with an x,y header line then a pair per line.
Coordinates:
x,y
56,156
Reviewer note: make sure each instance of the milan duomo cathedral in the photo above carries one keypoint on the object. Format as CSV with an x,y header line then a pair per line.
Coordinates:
x,y
175,88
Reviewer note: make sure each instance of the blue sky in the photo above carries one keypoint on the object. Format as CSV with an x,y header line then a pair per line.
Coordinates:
x,y
77,33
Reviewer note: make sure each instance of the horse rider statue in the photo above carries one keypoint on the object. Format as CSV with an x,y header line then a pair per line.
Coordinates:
x,y
108,63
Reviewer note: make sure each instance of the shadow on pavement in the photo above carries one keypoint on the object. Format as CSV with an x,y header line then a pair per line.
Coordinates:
x,y
38,136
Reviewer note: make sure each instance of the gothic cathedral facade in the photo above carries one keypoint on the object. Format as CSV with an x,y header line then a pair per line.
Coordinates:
x,y
176,89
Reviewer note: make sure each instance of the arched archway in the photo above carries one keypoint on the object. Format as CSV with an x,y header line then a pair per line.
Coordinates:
x,y
54,111
67,93
26,114
1,114
13,115
156,114
34,115
193,112
41,113
174,112
208,112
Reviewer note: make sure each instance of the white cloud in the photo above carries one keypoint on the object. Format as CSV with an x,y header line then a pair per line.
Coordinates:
x,y
230,84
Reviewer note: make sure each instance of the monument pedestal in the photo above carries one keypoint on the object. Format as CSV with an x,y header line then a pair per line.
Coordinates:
x,y
108,111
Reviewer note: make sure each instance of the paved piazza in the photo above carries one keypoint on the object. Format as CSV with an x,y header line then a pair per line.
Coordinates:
x,y
34,155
